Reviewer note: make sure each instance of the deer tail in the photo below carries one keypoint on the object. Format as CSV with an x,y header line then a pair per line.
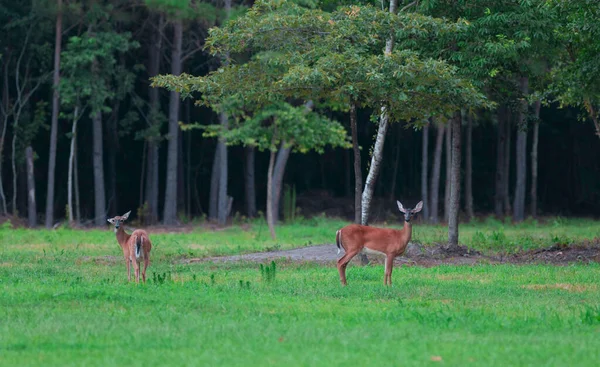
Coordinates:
x,y
139,240
338,240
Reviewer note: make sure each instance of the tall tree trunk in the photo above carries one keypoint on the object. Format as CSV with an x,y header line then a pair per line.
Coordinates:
x,y
435,175
455,181
469,169
98,163
375,166
250,181
54,118
188,155
152,188
31,206
71,165
448,171
180,175
500,156
213,200
223,199
113,149
424,167
76,179
506,175
534,158
5,115
357,166
170,207
270,219
521,155
280,162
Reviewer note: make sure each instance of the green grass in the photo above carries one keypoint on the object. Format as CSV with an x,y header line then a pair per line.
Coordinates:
x,y
488,235
63,303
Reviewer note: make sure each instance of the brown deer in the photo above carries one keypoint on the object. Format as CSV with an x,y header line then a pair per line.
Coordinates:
x,y
390,242
136,247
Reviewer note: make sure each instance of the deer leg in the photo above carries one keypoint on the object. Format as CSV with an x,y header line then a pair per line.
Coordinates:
x,y
342,263
128,264
146,262
389,265
136,267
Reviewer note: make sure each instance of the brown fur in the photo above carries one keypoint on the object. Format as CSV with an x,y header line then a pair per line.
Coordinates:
x,y
391,242
128,245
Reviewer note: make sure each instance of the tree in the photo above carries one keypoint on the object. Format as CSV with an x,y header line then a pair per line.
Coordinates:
x,y
576,74
521,154
469,168
435,175
92,77
455,180
55,113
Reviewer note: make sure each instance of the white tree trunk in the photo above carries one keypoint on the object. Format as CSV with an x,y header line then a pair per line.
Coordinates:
x,y
375,166
31,205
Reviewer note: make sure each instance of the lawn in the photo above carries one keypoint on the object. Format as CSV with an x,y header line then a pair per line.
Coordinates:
x,y
64,302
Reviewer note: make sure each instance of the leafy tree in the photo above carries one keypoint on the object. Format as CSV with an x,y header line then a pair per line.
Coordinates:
x,y
576,75
92,77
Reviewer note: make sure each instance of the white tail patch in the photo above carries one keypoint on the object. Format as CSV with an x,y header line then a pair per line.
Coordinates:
x,y
138,247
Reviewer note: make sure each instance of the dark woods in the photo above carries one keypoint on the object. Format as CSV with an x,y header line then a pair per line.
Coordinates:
x,y
84,136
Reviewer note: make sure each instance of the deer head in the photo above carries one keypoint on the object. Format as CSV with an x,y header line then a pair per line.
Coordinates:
x,y
408,213
118,219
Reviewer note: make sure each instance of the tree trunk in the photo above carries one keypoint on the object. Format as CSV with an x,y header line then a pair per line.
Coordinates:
x,y
500,156
280,162
469,169
99,193
521,155
375,166
113,149
213,200
506,175
180,175
455,181
188,160
593,115
170,207
5,107
223,199
250,182
395,165
76,179
424,167
31,206
534,159
152,188
357,166
435,175
54,119
447,190
71,165
270,205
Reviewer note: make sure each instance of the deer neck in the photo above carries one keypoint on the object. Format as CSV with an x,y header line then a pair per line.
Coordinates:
x,y
122,236
407,230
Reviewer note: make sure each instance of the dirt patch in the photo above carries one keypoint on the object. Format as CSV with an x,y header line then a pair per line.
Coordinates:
x,y
428,256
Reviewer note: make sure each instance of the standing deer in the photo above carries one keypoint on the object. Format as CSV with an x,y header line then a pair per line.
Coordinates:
x,y
136,246
390,242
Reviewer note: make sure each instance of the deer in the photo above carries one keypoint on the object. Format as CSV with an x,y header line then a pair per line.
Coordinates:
x,y
136,247
392,243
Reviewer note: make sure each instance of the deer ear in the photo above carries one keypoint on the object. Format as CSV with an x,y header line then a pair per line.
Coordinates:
x,y
126,215
418,207
111,221
401,207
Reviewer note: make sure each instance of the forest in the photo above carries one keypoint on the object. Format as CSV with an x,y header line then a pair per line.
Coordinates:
x,y
183,109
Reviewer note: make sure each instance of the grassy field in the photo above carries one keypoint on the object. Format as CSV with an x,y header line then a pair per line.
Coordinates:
x,y
63,302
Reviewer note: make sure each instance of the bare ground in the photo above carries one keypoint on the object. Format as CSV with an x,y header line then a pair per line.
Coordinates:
x,y
416,254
